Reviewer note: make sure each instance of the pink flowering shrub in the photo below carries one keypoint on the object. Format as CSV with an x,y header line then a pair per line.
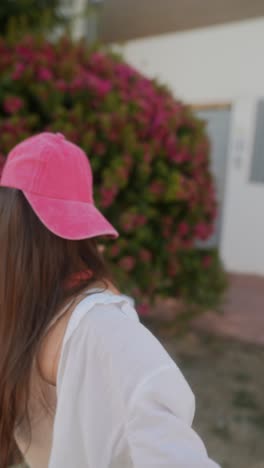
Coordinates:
x,y
149,153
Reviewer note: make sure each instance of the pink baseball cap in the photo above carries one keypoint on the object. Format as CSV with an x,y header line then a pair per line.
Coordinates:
x,y
56,179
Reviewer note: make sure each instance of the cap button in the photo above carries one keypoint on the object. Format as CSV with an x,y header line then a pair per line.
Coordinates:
x,y
60,135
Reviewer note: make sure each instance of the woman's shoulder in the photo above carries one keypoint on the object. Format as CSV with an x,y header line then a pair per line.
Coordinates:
x,y
111,335
76,318
103,310
111,340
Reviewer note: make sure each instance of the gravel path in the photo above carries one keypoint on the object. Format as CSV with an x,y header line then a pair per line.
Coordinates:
x,y
228,380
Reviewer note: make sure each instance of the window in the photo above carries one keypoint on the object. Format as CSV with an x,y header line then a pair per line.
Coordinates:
x,y
257,166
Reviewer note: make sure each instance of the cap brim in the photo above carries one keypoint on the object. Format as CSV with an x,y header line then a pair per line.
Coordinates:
x,y
70,219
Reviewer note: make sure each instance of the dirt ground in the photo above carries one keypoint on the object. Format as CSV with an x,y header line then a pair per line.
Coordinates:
x,y
228,380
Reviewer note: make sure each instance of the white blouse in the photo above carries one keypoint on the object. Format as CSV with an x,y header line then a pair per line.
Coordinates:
x,y
122,402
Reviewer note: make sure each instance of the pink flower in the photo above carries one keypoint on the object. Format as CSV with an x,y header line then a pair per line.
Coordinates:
x,y
44,74
77,83
147,158
166,231
99,149
156,188
174,244
160,120
127,263
124,72
172,248
61,85
183,229
113,135
115,250
145,255
13,104
107,196
98,60
213,211
127,226
25,51
128,160
99,85
171,143
207,261
203,231
187,244
18,71
128,221
179,158
143,309
167,221
199,159
140,220
173,269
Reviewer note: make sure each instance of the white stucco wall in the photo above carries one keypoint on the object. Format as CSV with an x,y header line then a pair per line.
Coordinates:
x,y
242,246
213,64
220,64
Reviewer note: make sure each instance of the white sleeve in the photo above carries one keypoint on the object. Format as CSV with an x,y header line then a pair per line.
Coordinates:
x,y
159,426
121,393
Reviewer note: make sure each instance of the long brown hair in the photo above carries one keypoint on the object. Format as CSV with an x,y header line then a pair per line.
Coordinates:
x,y
34,267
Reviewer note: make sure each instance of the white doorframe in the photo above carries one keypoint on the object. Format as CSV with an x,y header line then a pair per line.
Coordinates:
x,y
242,243
218,129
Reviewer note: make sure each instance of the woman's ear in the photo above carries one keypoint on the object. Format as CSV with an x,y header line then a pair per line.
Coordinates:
x,y
101,248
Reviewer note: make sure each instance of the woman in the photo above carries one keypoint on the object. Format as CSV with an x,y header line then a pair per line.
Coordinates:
x,y
82,383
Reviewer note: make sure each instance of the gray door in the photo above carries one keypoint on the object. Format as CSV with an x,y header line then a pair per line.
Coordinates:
x,y
218,127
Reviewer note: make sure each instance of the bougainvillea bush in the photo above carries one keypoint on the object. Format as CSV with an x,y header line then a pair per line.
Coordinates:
x,y
149,153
